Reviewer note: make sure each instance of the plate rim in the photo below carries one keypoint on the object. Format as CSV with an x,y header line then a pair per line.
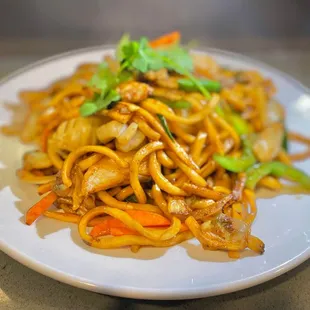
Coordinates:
x,y
154,294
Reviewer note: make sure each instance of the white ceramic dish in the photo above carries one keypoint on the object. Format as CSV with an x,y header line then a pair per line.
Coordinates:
x,y
185,271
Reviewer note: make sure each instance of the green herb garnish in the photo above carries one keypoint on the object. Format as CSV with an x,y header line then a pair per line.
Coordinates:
x,y
138,55
165,125
285,140
105,82
132,198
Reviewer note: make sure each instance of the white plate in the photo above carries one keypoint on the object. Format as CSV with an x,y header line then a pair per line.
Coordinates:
x,y
185,271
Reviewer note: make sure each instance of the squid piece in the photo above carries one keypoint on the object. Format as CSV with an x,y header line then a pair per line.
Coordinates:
x,y
76,133
36,160
268,143
127,137
110,131
275,112
106,174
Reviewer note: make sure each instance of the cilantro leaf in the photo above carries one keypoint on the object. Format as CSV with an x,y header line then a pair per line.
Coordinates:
x,y
112,96
104,81
177,59
138,55
88,108
98,103
125,39
165,126
140,63
125,76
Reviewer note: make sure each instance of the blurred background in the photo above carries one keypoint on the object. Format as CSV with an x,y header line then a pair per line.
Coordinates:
x,y
271,30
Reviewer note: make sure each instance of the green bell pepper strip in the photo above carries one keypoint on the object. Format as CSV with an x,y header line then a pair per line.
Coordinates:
x,y
285,140
277,169
240,164
179,104
164,123
238,123
189,85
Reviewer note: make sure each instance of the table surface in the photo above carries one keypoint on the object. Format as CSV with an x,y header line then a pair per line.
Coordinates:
x,y
23,288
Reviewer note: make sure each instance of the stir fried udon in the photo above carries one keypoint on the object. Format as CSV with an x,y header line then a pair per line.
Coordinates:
x,y
155,146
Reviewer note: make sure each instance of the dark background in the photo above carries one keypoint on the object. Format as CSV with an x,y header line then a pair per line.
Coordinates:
x,y
57,25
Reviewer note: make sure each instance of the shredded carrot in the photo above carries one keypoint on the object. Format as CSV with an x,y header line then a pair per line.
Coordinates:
x,y
167,39
121,231
113,226
37,209
146,218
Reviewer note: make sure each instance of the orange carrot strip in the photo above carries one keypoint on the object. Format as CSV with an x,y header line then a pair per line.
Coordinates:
x,y
166,39
121,231
145,218
105,228
36,210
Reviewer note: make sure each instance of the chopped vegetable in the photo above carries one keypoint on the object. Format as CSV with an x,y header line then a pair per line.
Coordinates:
x,y
98,103
189,85
167,39
239,124
132,198
233,164
145,218
179,104
138,55
121,231
125,39
268,143
104,81
285,145
165,125
278,169
36,210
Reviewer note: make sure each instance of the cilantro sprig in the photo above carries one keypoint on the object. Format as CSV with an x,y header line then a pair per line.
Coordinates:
x,y
137,56
105,82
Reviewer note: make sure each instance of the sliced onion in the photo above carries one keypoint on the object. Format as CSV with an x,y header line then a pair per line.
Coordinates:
x,y
110,131
275,112
268,143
